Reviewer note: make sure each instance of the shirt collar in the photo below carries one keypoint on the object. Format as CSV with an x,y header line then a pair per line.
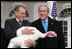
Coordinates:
x,y
45,20
17,20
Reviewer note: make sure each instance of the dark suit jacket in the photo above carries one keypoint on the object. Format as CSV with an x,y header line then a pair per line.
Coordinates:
x,y
11,26
47,42
3,39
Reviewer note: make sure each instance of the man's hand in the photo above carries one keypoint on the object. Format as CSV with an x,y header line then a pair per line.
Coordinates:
x,y
30,43
27,31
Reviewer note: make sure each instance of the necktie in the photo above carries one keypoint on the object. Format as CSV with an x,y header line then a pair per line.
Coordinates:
x,y
45,26
20,23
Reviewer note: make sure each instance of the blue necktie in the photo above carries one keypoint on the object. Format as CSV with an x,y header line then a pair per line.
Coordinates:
x,y
45,26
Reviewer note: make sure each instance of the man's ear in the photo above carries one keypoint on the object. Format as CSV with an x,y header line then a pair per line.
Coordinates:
x,y
15,12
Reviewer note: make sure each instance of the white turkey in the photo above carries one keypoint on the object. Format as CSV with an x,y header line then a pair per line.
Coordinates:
x,y
20,39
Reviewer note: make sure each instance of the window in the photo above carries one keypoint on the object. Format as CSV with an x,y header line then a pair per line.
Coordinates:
x,y
65,12
65,18
64,26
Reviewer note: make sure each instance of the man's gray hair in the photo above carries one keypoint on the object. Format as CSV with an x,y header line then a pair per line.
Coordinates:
x,y
44,6
16,8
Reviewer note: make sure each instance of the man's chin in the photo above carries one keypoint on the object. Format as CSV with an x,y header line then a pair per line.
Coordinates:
x,y
21,19
43,18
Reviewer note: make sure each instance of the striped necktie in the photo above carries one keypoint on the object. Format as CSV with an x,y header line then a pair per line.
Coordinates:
x,y
20,23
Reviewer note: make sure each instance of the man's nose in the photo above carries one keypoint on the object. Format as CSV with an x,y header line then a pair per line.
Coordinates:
x,y
42,12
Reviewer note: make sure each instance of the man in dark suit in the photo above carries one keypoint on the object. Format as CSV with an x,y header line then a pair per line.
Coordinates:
x,y
11,25
50,25
3,39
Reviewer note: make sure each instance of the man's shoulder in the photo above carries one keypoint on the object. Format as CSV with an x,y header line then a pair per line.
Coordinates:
x,y
10,20
27,23
52,20
36,21
55,22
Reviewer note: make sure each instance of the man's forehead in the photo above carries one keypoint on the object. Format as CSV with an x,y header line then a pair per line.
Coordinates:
x,y
21,8
43,7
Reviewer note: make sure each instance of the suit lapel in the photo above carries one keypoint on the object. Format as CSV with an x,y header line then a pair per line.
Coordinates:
x,y
16,23
50,24
41,26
